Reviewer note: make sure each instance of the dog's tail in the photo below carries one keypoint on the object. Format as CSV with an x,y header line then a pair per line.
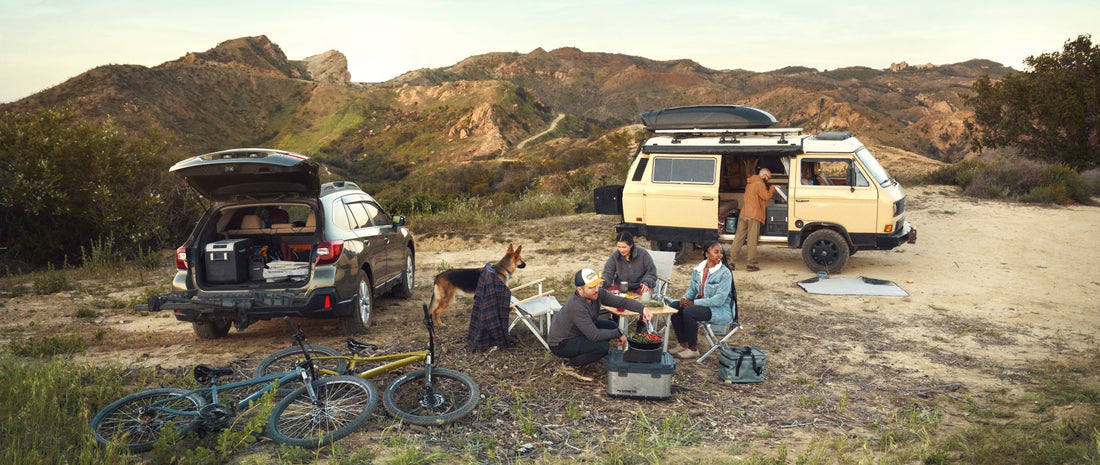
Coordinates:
x,y
435,295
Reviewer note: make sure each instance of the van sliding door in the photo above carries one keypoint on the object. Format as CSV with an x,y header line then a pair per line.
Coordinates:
x,y
683,191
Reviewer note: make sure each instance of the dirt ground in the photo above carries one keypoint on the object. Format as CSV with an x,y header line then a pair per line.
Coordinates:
x,y
995,289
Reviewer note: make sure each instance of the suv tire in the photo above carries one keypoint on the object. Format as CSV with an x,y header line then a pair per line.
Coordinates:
x,y
825,250
358,322
211,329
404,289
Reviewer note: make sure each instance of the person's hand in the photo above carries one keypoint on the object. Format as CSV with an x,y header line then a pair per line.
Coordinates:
x,y
647,314
684,303
622,340
643,289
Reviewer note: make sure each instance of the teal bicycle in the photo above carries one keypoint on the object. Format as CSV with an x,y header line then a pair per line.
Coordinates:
x,y
318,412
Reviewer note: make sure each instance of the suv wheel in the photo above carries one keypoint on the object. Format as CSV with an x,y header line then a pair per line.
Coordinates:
x,y
404,289
357,323
211,329
825,250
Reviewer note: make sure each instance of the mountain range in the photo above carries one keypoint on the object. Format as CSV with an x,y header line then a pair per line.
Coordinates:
x,y
429,124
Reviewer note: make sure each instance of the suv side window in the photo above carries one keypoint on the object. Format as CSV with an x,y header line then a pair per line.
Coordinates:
x,y
358,211
684,170
378,217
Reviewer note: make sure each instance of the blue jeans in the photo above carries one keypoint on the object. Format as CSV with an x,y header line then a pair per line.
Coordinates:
x,y
686,323
580,351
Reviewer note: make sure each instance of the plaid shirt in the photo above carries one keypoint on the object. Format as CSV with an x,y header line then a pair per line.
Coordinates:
x,y
489,319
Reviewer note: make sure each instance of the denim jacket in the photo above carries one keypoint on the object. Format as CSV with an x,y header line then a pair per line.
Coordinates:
x,y
717,295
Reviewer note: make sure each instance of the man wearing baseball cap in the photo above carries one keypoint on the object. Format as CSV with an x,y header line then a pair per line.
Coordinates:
x,y
577,333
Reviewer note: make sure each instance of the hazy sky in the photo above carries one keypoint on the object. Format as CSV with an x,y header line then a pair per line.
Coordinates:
x,y
45,42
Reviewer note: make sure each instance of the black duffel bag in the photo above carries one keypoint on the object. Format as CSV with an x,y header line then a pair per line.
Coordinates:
x,y
741,365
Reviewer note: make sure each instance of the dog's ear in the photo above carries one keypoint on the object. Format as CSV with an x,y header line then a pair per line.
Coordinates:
x,y
518,249
510,248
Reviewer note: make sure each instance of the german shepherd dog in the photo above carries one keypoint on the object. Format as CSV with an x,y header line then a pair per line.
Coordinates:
x,y
464,280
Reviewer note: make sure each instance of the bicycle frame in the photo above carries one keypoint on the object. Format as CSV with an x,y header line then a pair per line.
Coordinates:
x,y
211,392
396,360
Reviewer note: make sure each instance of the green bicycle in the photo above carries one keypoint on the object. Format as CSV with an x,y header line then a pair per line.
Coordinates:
x,y
318,412
429,396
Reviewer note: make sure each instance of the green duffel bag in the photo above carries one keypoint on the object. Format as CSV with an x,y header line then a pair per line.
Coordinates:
x,y
741,365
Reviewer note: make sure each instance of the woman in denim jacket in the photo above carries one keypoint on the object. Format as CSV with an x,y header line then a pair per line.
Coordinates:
x,y
708,299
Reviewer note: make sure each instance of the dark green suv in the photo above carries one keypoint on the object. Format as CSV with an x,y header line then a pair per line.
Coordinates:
x,y
276,242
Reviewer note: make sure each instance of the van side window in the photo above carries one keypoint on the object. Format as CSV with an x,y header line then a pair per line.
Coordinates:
x,y
638,173
860,180
684,170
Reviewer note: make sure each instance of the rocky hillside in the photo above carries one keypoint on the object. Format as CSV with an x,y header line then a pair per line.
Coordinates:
x,y
454,130
916,108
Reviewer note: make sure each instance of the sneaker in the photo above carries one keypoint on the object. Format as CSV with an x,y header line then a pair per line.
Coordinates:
x,y
752,268
687,354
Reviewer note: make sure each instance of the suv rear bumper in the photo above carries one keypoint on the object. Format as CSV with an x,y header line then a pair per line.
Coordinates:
x,y
246,307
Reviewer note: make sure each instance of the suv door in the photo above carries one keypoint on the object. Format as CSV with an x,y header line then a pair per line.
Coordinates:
x,y
376,238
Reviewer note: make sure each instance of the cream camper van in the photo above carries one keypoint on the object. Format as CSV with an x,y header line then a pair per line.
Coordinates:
x,y
687,180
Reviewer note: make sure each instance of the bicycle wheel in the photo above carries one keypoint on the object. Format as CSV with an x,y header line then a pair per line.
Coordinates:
x,y
131,421
343,404
451,395
284,360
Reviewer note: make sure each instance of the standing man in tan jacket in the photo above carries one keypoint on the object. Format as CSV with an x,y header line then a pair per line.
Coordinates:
x,y
751,219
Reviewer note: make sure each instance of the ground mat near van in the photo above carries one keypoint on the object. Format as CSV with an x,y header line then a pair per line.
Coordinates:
x,y
852,286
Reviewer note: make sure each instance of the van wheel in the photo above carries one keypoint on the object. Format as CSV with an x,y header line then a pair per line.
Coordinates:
x,y
682,249
825,250
404,289
211,329
358,322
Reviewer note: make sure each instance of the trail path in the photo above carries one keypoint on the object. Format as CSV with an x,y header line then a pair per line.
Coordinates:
x,y
553,125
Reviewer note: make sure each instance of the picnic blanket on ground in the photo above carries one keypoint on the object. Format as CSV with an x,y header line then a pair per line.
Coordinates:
x,y
852,286
489,319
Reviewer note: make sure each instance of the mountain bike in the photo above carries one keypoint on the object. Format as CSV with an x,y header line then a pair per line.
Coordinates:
x,y
429,396
318,412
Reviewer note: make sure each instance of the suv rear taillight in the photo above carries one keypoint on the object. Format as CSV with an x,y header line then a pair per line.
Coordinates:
x,y
328,252
181,258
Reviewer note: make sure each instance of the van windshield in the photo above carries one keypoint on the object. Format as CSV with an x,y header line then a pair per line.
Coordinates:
x,y
876,170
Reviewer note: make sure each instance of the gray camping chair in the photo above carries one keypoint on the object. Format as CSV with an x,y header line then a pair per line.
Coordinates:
x,y
534,312
711,331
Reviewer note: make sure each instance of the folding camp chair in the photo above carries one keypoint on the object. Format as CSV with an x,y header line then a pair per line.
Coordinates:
x,y
663,262
727,330
535,312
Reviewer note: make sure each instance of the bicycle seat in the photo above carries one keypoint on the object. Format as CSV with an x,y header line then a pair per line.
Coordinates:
x,y
356,347
206,374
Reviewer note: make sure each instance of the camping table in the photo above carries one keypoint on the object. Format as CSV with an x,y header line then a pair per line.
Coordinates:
x,y
665,310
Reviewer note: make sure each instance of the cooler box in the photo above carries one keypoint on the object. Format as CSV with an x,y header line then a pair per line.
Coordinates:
x,y
775,221
227,261
639,380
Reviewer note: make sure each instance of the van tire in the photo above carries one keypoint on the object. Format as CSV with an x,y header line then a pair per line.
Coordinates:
x,y
682,249
358,322
825,250
211,329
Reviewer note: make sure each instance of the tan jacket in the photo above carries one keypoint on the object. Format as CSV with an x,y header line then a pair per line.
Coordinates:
x,y
757,194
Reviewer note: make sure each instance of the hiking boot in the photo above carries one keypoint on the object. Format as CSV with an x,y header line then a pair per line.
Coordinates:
x,y
688,354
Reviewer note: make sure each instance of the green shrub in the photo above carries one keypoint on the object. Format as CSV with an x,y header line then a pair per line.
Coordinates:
x,y
50,281
47,347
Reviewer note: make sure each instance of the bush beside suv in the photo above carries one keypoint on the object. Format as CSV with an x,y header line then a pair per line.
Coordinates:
x,y
276,242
